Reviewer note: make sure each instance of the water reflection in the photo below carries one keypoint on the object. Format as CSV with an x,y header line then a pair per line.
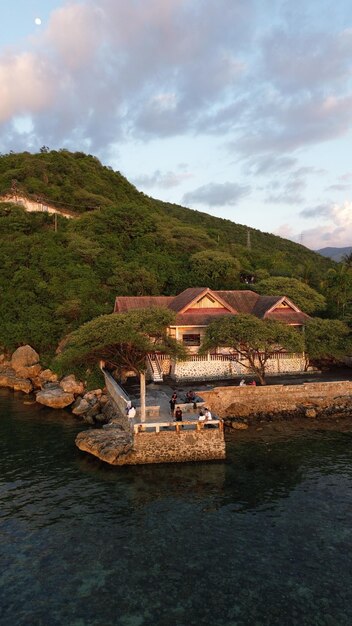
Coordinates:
x,y
262,538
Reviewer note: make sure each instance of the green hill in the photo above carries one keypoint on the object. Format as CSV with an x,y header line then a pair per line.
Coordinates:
x,y
120,242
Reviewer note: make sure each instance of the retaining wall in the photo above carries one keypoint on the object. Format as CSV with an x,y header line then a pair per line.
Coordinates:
x,y
247,401
172,447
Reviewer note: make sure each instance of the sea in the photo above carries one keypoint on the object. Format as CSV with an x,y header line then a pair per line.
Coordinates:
x,y
263,538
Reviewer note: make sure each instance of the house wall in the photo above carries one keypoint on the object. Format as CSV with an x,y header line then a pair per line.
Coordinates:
x,y
218,369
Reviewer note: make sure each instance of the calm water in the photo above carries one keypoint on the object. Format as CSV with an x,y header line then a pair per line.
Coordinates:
x,y
264,538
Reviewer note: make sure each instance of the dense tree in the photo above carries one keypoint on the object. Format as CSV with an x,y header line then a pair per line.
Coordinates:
x,y
338,285
215,269
306,298
122,341
119,242
252,341
326,339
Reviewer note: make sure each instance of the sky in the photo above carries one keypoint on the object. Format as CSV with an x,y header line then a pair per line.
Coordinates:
x,y
239,108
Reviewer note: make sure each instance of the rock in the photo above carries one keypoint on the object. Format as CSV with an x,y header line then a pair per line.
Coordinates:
x,y
9,379
100,418
24,356
80,406
239,425
92,395
104,399
22,384
32,371
108,444
310,413
71,385
48,376
55,398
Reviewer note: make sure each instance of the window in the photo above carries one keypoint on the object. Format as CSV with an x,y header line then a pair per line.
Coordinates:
x,y
191,340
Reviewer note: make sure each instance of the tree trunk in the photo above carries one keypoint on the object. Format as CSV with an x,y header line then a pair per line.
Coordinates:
x,y
142,394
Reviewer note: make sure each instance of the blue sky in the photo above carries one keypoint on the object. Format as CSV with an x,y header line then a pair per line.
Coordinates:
x,y
240,109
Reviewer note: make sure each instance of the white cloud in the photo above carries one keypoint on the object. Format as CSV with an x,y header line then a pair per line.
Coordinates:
x,y
335,227
217,194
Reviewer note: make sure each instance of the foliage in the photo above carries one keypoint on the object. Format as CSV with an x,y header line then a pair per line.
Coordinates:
x,y
338,285
252,339
326,339
215,269
120,242
306,298
122,341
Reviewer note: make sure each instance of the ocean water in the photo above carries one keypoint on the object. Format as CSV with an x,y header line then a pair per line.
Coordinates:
x,y
264,538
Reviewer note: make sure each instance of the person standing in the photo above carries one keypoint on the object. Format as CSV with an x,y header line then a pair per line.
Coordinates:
x,y
172,403
178,414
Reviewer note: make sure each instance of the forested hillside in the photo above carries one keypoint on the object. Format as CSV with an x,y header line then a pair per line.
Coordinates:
x,y
121,242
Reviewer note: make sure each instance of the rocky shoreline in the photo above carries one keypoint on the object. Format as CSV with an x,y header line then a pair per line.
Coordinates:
x,y
22,371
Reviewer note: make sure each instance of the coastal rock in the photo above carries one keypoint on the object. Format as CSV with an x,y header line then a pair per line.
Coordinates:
x,y
47,376
9,379
22,384
92,395
56,398
24,356
311,413
80,406
106,444
71,385
32,371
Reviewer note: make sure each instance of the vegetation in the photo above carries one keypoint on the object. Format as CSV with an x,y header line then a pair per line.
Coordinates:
x,y
326,340
306,298
252,339
122,341
121,242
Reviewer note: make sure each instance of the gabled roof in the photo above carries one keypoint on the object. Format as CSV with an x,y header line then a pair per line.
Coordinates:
x,y
232,302
190,296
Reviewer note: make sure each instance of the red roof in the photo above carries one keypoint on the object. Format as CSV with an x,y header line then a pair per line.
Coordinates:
x,y
233,302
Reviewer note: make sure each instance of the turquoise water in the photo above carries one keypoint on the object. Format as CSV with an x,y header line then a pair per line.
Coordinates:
x,y
264,538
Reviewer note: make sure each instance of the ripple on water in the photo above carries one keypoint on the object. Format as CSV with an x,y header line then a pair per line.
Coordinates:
x,y
263,538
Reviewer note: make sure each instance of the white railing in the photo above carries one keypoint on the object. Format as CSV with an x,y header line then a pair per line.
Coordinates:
x,y
178,426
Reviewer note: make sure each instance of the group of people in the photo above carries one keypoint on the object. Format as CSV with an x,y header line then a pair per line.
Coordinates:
x,y
176,412
243,382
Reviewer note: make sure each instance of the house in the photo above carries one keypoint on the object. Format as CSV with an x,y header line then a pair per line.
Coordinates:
x,y
195,308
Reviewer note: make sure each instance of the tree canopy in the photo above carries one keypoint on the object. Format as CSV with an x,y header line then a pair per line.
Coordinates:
x,y
306,298
326,339
252,339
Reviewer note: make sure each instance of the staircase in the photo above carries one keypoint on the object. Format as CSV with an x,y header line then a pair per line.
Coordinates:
x,y
154,368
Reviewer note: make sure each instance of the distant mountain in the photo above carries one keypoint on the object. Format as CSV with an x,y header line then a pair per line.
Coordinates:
x,y
336,254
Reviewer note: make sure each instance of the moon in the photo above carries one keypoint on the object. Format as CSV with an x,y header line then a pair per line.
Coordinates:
x,y
37,21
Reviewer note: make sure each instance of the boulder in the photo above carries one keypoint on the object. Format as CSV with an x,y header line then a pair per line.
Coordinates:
x,y
56,398
93,395
71,385
80,406
107,444
22,384
32,371
24,356
310,413
47,376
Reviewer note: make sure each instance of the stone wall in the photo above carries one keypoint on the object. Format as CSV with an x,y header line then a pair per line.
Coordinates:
x,y
217,369
248,401
118,448
172,447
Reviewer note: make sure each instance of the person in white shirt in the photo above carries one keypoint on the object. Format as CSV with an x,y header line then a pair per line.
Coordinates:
x,y
208,415
131,412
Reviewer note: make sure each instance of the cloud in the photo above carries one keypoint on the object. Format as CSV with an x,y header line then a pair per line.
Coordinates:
x,y
336,229
164,180
213,194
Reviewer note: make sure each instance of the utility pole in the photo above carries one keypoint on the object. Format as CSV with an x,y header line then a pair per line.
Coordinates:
x,y
249,246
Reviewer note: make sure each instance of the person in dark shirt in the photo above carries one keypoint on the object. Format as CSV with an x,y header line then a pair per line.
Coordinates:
x,y
178,414
172,403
